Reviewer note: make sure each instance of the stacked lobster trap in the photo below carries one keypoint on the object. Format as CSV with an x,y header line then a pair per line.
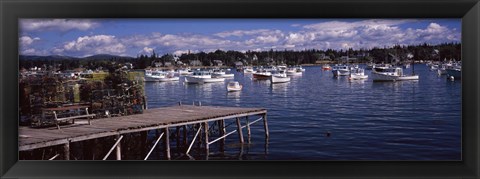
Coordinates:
x,y
116,94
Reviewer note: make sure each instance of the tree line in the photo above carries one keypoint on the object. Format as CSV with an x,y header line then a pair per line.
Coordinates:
x,y
424,52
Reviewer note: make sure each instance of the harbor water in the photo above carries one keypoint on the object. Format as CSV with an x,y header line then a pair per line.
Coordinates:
x,y
316,116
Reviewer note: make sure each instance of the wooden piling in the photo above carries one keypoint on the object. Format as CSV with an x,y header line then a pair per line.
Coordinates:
x,y
185,135
66,151
239,130
265,125
118,149
205,125
249,134
177,137
167,143
145,103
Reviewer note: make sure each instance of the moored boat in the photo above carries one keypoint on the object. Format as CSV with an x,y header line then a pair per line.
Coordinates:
x,y
262,74
340,70
326,67
221,74
279,77
391,74
248,70
234,86
293,71
159,76
357,74
202,77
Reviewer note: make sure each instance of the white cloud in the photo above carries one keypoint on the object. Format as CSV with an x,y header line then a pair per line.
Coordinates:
x,y
61,25
241,33
147,50
26,40
97,44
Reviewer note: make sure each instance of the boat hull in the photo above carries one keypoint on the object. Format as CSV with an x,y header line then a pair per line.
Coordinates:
x,y
169,79
340,72
277,79
383,77
190,79
358,77
224,75
261,76
231,89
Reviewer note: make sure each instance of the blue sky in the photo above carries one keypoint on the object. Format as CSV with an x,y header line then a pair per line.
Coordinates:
x,y
132,37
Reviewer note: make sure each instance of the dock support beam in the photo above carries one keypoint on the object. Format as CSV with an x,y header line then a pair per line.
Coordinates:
x,y
167,143
185,135
239,130
205,125
222,131
119,149
177,136
265,125
66,151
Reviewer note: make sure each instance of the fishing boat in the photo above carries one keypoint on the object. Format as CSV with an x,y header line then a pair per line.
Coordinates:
x,y
279,77
262,74
357,74
186,71
293,71
160,76
202,77
218,73
326,67
391,74
248,70
300,68
234,86
340,70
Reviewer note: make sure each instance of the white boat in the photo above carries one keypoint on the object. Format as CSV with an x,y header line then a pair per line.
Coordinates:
x,y
279,77
248,70
357,74
391,74
218,73
262,74
160,76
202,77
340,70
293,71
186,71
234,86
300,68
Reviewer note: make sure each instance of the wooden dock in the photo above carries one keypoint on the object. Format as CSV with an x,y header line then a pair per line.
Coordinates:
x,y
152,119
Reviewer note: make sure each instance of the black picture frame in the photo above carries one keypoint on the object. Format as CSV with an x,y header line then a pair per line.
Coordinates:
x,y
11,10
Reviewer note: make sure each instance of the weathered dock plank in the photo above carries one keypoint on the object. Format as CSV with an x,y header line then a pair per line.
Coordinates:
x,y
31,138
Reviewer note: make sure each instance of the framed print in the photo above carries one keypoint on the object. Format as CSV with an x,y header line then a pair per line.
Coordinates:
x,y
240,89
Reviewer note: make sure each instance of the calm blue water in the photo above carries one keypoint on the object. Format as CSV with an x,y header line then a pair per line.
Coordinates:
x,y
410,120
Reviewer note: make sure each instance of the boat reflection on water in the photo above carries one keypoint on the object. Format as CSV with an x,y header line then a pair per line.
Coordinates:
x,y
234,95
397,86
203,89
279,87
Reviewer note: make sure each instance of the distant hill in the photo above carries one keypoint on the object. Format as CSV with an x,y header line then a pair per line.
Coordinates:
x,y
60,57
